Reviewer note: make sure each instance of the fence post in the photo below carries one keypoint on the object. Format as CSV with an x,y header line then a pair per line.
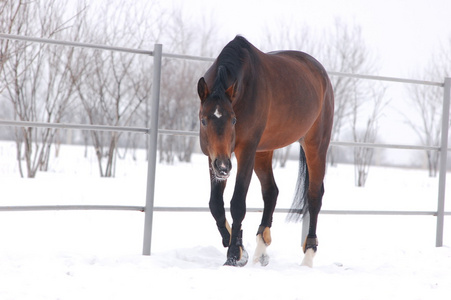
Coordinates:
x,y
305,227
152,149
443,163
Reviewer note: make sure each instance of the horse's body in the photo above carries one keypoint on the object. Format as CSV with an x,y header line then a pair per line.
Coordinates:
x,y
253,103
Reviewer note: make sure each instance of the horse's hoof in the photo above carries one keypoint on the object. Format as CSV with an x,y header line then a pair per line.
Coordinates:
x,y
234,261
263,259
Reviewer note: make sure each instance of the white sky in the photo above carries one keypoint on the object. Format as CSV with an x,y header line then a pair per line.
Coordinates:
x,y
402,34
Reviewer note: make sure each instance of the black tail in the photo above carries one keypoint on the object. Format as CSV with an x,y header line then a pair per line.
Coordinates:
x,y
299,207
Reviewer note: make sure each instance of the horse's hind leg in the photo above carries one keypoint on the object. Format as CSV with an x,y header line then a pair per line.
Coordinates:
x,y
263,169
316,164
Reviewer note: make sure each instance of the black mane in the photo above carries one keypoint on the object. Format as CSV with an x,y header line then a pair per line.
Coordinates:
x,y
230,62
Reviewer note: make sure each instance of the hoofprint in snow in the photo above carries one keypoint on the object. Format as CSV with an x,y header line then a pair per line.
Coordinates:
x,y
96,254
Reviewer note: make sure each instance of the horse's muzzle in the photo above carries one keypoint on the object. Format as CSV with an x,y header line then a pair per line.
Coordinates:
x,y
221,168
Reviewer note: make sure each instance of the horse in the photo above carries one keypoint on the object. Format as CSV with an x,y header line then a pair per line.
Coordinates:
x,y
252,103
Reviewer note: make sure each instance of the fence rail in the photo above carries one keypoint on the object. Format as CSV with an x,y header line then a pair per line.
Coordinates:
x,y
196,58
385,78
192,133
206,209
73,126
149,208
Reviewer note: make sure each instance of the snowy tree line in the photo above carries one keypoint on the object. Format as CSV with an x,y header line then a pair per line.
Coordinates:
x,y
49,83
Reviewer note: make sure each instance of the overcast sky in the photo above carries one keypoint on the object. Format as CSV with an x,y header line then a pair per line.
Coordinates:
x,y
403,34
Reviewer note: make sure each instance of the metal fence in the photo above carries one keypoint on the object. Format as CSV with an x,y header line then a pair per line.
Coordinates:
x,y
153,133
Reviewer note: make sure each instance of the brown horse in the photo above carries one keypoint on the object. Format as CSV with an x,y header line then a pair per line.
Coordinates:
x,y
253,103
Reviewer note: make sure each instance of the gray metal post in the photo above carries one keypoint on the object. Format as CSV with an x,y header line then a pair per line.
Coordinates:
x,y
152,148
305,227
443,163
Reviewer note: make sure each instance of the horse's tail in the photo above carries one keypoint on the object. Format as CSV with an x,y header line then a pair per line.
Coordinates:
x,y
299,207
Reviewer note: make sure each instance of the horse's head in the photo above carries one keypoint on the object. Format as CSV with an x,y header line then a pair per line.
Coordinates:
x,y
217,127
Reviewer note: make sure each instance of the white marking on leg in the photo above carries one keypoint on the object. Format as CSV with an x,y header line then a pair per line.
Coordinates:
x,y
308,258
217,112
260,252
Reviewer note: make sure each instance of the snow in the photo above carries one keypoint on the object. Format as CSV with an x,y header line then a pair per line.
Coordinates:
x,y
97,254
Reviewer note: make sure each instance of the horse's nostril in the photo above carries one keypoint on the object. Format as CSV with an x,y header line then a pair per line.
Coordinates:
x,y
219,164
223,166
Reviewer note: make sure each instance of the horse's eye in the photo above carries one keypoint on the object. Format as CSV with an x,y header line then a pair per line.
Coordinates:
x,y
204,122
233,121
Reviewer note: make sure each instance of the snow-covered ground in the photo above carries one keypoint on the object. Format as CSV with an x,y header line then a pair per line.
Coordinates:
x,y
97,254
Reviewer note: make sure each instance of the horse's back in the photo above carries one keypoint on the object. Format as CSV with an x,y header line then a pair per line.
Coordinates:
x,y
299,91
300,63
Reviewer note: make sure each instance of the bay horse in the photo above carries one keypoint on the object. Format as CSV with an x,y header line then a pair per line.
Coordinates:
x,y
251,104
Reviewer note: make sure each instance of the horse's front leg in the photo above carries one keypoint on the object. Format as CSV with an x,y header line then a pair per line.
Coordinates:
x,y
263,169
236,254
216,205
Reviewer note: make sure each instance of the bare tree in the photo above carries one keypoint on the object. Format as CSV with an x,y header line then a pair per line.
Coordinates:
x,y
37,85
178,109
345,51
427,101
179,102
375,104
291,35
112,86
358,103
109,96
9,13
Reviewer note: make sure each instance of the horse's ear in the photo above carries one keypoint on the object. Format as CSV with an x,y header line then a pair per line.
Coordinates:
x,y
202,89
231,91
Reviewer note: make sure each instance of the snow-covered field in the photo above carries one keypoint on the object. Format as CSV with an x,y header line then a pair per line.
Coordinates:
x,y
97,254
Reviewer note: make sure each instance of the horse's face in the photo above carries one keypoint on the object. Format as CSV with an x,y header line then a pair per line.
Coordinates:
x,y
217,129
